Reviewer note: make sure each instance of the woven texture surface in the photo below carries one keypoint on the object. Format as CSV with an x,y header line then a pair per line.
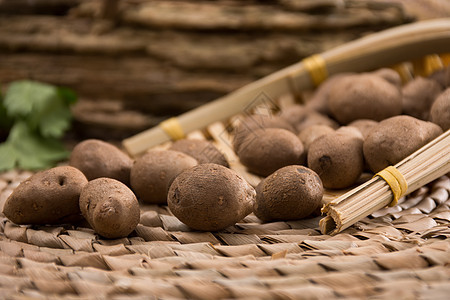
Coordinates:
x,y
399,252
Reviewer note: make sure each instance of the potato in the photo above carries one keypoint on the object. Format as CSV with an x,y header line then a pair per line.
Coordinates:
x,y
290,193
152,174
353,131
395,138
364,126
210,197
110,207
255,122
442,77
440,110
97,159
390,76
203,151
266,150
418,96
295,114
311,133
337,158
364,96
316,119
319,100
47,197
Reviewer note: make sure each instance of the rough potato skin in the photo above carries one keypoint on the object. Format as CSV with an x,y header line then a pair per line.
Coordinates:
x,y
255,122
96,159
110,207
203,151
440,110
315,118
364,126
337,158
390,76
210,197
47,197
418,96
319,101
290,193
364,96
295,114
311,133
267,150
152,174
395,138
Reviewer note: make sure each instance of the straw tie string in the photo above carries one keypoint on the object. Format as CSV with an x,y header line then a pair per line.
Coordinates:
x,y
396,182
173,128
316,67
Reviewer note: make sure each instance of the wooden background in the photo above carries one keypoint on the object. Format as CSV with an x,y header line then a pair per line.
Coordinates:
x,y
135,62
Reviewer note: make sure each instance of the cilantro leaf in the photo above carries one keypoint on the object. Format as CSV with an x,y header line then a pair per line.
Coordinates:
x,y
27,97
27,150
45,107
8,157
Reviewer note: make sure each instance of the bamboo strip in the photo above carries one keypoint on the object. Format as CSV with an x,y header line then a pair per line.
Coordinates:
x,y
377,50
423,166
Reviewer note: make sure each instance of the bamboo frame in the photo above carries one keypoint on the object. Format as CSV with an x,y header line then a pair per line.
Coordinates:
x,y
377,50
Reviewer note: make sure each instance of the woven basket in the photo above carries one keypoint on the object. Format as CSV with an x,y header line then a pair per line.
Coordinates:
x,y
401,252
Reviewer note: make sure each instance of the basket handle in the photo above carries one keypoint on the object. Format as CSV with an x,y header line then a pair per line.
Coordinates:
x,y
388,47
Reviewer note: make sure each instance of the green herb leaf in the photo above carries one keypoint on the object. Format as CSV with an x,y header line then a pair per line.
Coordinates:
x,y
27,150
27,97
45,107
8,157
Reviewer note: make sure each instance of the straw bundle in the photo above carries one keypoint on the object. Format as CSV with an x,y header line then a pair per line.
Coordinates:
x,y
418,169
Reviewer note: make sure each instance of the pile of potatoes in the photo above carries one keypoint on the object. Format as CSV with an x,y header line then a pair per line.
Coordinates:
x,y
352,123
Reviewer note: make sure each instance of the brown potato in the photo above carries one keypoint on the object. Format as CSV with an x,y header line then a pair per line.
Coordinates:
x,y
96,159
316,119
442,77
152,174
390,76
266,150
418,96
290,193
319,100
395,138
295,114
203,151
364,126
353,131
440,111
311,133
255,122
47,197
364,96
210,197
110,207
337,158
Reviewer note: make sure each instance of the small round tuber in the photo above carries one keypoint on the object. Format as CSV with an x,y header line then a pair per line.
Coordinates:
x,y
152,174
440,110
210,197
290,193
266,150
96,159
110,207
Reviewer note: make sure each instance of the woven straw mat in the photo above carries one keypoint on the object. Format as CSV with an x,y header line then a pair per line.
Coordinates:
x,y
401,252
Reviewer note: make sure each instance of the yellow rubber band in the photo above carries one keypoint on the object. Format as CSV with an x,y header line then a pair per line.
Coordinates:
x,y
173,128
396,182
316,67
